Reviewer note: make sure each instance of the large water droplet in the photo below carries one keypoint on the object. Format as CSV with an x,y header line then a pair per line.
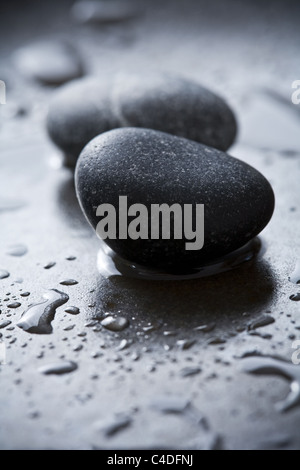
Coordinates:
x,y
50,265
60,367
263,320
69,282
170,404
274,366
25,294
203,438
17,250
72,310
185,343
38,317
14,305
295,297
205,328
3,274
123,344
189,371
4,323
115,324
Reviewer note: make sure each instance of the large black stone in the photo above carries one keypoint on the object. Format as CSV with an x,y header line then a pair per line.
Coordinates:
x,y
85,108
151,167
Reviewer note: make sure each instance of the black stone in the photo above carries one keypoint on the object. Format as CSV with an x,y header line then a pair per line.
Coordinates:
x,y
88,107
151,167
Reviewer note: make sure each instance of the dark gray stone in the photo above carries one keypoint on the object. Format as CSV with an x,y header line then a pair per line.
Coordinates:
x,y
86,108
151,167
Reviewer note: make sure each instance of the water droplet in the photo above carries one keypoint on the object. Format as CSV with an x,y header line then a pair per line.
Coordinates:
x,y
4,323
206,328
91,323
189,371
112,426
185,343
96,354
38,317
264,320
268,365
72,310
50,265
151,367
295,276
3,274
295,297
151,327
60,367
69,282
14,305
78,347
17,250
25,294
261,335
217,340
115,324
71,258
135,356
123,344
170,404
69,328
170,333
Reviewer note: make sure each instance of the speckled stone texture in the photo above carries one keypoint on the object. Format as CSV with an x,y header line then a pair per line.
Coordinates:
x,y
85,108
151,167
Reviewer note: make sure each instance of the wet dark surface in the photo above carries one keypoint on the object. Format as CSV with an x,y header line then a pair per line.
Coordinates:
x,y
173,371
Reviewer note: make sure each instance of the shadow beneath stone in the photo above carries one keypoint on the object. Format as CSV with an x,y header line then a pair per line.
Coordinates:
x,y
230,300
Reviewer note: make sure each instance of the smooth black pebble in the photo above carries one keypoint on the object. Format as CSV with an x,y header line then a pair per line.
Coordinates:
x,y
85,108
151,167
